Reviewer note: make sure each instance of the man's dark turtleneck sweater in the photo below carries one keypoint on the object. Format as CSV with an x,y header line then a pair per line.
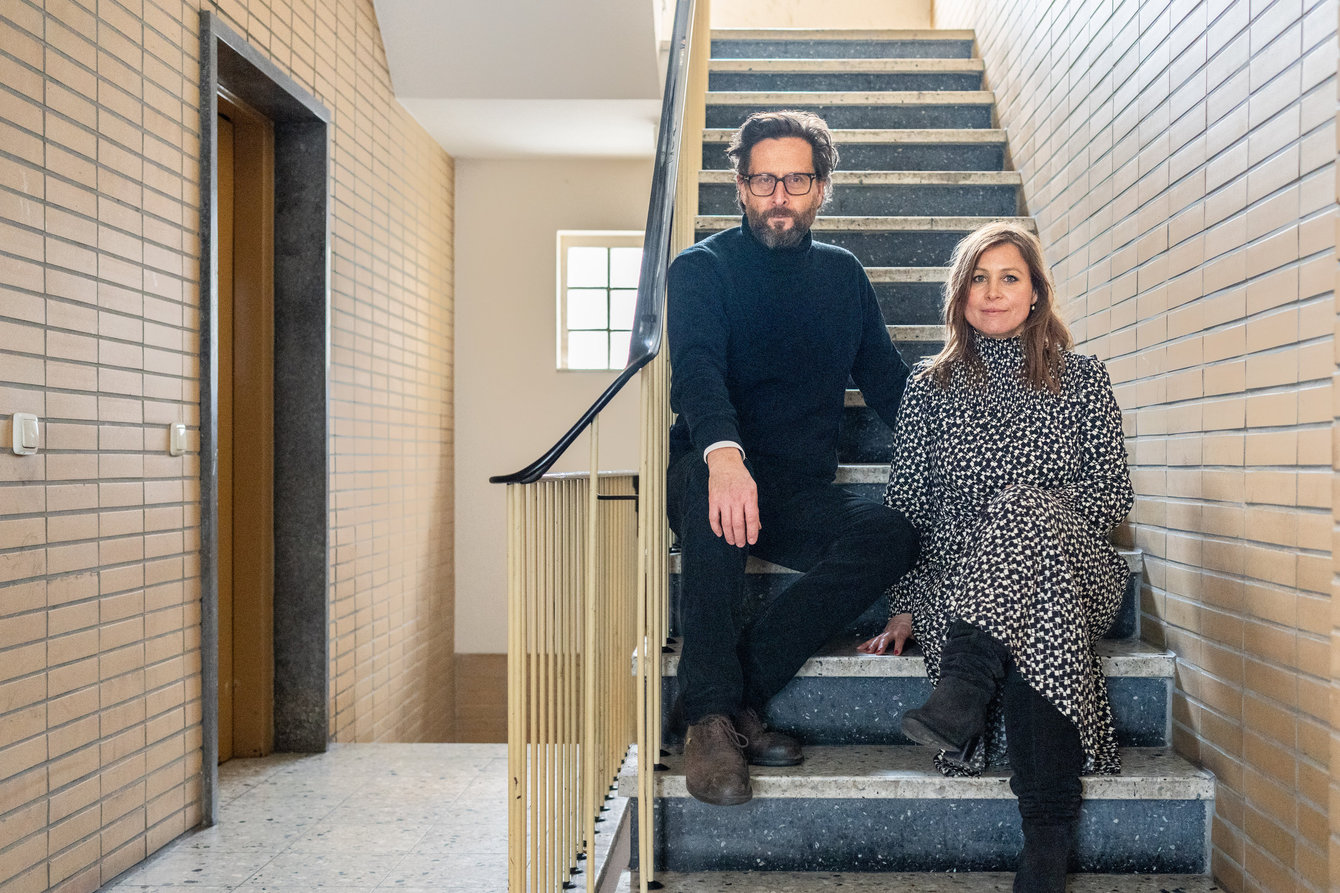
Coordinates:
x,y
762,342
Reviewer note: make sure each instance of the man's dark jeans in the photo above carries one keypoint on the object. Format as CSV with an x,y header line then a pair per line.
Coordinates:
x,y
849,550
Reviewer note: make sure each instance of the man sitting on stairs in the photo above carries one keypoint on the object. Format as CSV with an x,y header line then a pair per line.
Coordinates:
x,y
765,327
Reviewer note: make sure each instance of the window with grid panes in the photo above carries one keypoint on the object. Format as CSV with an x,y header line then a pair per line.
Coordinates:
x,y
597,292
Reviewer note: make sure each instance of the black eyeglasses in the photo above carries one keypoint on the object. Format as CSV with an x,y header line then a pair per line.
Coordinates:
x,y
764,185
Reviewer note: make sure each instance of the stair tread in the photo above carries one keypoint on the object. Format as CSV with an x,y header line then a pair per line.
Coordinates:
x,y
893,178
916,135
842,34
839,658
850,97
905,771
848,66
921,882
875,224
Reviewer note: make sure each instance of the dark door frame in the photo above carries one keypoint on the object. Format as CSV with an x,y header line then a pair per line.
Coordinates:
x,y
302,361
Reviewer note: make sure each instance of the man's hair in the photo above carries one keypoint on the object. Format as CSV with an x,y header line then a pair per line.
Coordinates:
x,y
777,125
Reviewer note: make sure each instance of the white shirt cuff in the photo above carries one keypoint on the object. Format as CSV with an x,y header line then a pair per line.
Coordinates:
x,y
722,443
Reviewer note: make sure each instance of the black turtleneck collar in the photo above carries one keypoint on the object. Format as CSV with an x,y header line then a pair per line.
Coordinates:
x,y
782,255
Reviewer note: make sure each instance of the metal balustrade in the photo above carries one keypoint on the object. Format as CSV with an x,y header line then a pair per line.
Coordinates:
x,y
587,559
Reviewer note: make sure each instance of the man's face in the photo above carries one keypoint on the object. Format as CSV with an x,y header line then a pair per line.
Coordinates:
x,y
781,220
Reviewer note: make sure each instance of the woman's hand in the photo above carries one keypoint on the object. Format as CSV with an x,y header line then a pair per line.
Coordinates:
x,y
896,633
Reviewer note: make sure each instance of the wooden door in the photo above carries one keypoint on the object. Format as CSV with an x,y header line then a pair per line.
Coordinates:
x,y
246,430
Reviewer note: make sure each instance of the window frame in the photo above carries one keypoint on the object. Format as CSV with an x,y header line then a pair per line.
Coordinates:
x,y
583,238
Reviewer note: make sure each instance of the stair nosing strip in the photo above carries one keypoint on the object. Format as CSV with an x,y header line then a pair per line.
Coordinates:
x,y
802,98
718,177
830,663
911,34
907,274
948,136
877,224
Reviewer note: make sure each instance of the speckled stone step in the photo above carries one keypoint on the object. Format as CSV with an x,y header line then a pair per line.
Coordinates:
x,y
797,43
765,579
909,295
915,882
883,241
842,696
941,149
875,193
860,109
885,808
844,74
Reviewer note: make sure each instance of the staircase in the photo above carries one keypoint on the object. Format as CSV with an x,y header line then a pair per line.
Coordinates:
x,y
915,131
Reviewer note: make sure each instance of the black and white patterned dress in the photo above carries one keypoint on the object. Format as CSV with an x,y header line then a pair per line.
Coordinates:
x,y
1014,491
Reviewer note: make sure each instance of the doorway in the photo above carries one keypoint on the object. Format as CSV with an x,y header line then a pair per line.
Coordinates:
x,y
245,197
265,668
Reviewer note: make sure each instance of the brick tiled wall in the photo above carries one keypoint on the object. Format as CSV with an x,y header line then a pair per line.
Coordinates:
x,y
1180,161
100,696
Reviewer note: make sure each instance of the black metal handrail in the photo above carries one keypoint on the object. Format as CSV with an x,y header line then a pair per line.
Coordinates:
x,y
648,322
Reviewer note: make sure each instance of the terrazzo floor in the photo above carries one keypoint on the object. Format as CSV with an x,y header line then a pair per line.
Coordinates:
x,y
416,818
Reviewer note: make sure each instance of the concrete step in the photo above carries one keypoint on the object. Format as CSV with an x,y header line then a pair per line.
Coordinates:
x,y
875,193
883,241
764,579
844,74
861,109
886,881
909,295
942,149
885,808
798,43
842,696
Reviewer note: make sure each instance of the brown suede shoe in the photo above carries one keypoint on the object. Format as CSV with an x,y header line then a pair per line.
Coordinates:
x,y
765,746
714,768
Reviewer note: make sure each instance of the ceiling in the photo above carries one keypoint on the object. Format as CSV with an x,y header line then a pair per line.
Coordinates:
x,y
525,78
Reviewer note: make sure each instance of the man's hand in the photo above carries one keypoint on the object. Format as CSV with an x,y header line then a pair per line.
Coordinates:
x,y
732,498
896,633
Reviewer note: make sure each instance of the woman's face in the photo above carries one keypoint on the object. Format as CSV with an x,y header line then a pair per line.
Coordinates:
x,y
1000,293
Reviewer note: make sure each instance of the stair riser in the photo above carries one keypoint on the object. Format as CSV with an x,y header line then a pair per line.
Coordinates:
x,y
899,248
864,116
841,49
762,81
849,710
910,303
893,157
864,437
883,201
850,834
760,588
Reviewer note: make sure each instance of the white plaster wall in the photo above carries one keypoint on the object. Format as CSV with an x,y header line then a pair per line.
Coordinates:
x,y
821,13
511,403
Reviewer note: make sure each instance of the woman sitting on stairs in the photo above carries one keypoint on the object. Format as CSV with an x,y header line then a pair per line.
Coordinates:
x,y
1009,460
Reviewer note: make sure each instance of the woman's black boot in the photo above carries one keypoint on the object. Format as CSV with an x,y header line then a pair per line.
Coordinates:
x,y
972,666
1042,864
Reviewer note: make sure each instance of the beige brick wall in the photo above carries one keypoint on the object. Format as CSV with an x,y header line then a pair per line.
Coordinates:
x,y
100,695
1180,161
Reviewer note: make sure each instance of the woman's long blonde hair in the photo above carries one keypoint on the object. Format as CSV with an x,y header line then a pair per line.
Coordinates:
x,y
1044,334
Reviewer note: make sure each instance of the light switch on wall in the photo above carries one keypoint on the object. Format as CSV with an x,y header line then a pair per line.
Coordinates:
x,y
25,433
176,439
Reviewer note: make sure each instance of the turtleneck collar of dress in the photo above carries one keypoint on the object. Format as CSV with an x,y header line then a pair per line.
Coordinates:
x,y
999,354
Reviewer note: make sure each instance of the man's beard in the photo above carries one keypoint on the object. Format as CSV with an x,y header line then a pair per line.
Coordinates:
x,y
780,238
